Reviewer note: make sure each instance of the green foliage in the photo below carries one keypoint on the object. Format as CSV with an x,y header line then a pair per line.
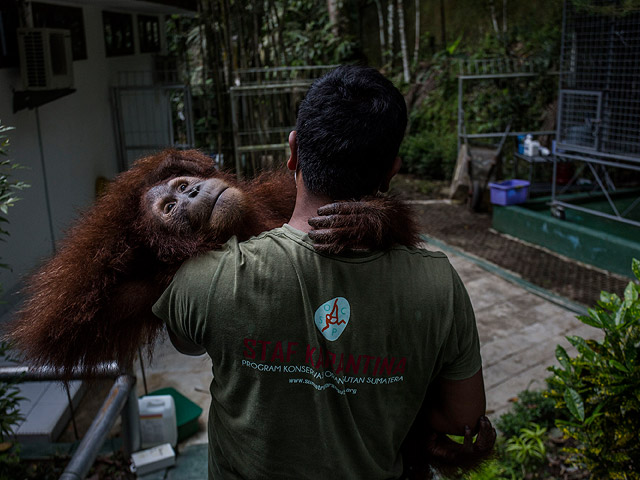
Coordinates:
x,y
9,393
527,448
492,470
9,417
429,148
600,386
614,9
532,407
309,37
8,187
9,400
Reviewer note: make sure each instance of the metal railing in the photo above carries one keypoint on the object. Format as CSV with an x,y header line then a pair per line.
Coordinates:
x,y
122,399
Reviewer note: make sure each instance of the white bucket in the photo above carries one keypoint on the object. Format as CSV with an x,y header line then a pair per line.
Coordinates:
x,y
157,420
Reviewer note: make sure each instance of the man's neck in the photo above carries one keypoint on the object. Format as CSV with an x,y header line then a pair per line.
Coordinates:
x,y
307,205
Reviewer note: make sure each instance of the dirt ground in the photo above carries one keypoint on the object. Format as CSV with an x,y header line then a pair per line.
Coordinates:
x,y
471,232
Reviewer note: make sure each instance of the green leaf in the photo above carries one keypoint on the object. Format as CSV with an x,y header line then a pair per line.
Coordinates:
x,y
630,293
591,320
574,403
618,365
563,357
635,267
594,416
620,314
582,346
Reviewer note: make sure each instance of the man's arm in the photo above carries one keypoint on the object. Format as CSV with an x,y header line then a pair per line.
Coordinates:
x,y
455,404
451,407
185,346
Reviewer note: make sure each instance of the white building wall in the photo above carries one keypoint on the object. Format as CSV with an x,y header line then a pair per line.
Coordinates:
x,y
78,146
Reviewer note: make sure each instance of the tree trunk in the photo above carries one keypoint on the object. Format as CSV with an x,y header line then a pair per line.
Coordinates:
x,y
334,17
443,26
416,44
504,16
403,41
390,32
383,43
279,23
494,20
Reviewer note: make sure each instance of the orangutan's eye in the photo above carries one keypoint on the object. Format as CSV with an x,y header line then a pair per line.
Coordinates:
x,y
182,187
168,207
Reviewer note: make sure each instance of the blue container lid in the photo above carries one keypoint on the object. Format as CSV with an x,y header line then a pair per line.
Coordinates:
x,y
509,184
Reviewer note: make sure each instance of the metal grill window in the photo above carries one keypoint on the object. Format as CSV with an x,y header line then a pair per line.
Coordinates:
x,y
601,54
34,50
579,118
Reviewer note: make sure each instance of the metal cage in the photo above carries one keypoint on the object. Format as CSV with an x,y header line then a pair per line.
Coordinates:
x,y
598,125
600,84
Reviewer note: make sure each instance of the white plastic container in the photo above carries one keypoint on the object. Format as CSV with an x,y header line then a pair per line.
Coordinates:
x,y
157,420
153,459
531,147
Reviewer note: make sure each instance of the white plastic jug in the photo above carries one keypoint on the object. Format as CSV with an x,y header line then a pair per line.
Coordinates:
x,y
157,420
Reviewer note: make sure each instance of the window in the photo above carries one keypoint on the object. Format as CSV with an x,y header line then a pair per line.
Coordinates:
x,y
118,34
46,15
149,33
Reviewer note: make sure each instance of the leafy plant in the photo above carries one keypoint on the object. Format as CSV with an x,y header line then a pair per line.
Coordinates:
x,y
532,406
528,448
9,393
492,470
600,386
7,186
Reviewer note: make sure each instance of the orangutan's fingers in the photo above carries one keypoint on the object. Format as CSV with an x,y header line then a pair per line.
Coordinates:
x,y
326,221
324,236
467,445
343,208
486,435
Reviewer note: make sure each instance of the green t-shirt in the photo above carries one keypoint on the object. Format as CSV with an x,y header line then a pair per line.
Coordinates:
x,y
320,363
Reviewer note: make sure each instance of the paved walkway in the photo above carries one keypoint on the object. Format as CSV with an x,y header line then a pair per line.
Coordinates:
x,y
519,331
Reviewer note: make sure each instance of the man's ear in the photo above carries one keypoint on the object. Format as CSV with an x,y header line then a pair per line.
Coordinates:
x,y
395,168
292,163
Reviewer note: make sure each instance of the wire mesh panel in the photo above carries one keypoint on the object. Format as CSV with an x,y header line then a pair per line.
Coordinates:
x,y
601,58
151,118
264,106
579,119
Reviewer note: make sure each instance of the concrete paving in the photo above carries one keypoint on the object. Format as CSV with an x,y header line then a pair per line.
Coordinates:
x,y
519,331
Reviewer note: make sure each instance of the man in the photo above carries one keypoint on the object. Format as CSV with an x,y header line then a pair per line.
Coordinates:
x,y
322,363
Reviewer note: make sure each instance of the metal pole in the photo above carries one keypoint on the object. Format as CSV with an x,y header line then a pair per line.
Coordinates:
x,y
553,180
45,182
191,137
235,127
131,424
90,445
460,113
30,374
73,413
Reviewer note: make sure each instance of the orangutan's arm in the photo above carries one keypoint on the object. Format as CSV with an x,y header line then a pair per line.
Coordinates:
x,y
372,223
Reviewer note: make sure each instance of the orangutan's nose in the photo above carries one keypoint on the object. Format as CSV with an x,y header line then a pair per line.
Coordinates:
x,y
194,192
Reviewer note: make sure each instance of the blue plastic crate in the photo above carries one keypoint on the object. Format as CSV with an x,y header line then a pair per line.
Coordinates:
x,y
509,192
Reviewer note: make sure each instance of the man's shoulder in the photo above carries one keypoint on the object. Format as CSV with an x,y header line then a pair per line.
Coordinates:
x,y
421,251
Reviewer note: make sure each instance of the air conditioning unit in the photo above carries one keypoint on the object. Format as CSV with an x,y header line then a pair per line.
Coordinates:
x,y
46,61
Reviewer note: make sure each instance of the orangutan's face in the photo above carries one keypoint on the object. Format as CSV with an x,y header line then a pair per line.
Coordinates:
x,y
195,204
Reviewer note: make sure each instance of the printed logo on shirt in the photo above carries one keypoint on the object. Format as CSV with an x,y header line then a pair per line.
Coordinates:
x,y
332,317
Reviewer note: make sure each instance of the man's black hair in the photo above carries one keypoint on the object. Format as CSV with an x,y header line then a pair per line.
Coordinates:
x,y
349,129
